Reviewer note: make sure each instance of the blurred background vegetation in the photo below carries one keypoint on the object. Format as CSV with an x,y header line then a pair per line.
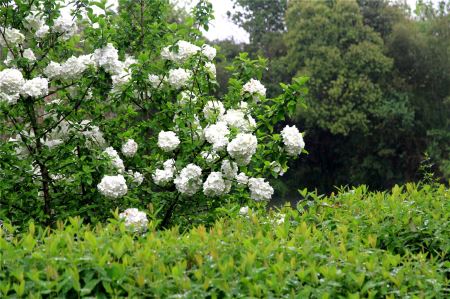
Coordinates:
x,y
379,90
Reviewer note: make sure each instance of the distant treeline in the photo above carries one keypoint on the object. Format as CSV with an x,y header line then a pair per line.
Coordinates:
x,y
379,89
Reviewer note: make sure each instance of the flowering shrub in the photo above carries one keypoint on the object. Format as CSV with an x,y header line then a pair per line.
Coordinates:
x,y
91,122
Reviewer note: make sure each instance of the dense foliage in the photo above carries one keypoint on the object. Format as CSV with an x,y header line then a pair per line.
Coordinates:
x,y
378,105
354,244
103,110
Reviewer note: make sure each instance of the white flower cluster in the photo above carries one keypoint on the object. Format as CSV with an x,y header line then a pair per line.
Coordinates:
x,y
293,140
179,78
117,162
36,87
11,82
72,68
29,54
237,119
217,135
259,189
229,169
214,185
134,219
168,141
213,109
10,37
155,80
189,180
113,186
209,51
254,87
185,51
65,25
163,177
242,179
35,22
129,148
136,176
242,148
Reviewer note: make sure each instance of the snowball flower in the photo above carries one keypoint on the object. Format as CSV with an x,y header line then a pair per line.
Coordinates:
x,y
213,109
237,119
217,135
10,37
117,162
185,50
242,179
254,87
168,140
129,148
137,177
210,157
11,82
155,80
179,77
243,211
73,67
211,69
189,181
164,176
52,70
209,52
214,185
113,186
36,87
108,58
34,21
65,25
134,219
28,54
242,148
42,32
293,140
229,169
259,189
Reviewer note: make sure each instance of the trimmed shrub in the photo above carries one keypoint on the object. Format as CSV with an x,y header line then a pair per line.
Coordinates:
x,y
355,244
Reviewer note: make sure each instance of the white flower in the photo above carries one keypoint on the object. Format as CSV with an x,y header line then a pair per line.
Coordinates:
x,y
242,179
217,135
75,66
134,219
93,134
187,97
12,37
164,176
229,169
210,157
108,58
213,109
34,21
168,141
129,148
242,148
293,140
209,51
28,54
211,69
52,70
11,82
155,80
113,186
237,119
42,32
254,87
185,50
138,178
179,77
117,162
259,189
214,185
36,87
189,181
243,211
65,25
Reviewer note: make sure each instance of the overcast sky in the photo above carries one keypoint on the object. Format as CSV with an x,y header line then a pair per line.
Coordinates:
x,y
222,28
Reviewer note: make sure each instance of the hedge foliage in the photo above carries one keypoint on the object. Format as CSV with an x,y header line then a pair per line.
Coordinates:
x,y
355,244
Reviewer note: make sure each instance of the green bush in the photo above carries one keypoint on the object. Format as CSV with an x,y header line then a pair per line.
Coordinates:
x,y
355,244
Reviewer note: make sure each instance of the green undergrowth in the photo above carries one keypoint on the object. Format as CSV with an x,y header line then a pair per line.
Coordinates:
x,y
355,244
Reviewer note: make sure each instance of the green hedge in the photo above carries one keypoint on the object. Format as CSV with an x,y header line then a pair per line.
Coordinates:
x,y
355,244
